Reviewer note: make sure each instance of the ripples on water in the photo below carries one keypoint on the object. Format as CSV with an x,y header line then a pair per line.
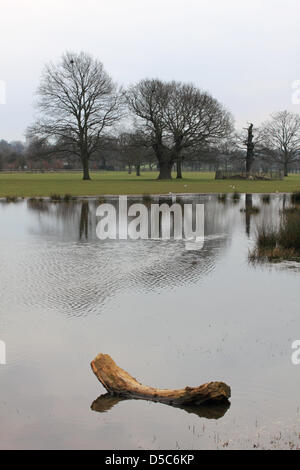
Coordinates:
x,y
65,266
176,317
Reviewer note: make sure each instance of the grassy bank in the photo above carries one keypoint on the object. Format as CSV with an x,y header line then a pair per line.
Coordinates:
x,y
44,184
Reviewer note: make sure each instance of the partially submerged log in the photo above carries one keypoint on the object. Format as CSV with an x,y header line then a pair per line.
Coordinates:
x,y
215,411
118,382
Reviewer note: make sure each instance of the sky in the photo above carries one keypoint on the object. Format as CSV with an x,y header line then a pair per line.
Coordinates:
x,y
245,53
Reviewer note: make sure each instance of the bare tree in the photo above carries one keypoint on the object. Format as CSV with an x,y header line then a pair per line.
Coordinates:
x,y
280,139
12,154
175,117
38,148
250,149
228,154
77,102
194,119
148,101
246,143
134,150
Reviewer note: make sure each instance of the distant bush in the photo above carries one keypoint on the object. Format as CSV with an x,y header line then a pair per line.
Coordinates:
x,y
11,198
55,197
260,176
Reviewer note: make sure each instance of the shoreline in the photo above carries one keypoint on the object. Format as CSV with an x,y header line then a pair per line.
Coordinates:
x,y
136,196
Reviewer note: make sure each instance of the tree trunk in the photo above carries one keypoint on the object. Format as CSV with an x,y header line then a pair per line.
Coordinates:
x,y
86,170
286,169
165,170
179,168
138,170
84,220
250,150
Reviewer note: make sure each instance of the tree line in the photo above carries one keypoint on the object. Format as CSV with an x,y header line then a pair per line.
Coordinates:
x,y
86,120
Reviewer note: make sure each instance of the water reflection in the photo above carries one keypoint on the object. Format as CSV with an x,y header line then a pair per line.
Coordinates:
x,y
78,272
106,402
84,220
39,205
248,212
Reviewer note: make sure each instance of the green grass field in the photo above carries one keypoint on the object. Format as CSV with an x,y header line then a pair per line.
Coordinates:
x,y
45,184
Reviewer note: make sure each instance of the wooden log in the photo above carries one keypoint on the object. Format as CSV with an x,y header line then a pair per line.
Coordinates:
x,y
118,382
214,411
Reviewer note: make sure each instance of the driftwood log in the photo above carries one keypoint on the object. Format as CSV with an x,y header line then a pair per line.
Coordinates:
x,y
119,383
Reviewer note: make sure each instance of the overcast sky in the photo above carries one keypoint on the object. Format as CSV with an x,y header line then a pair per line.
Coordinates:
x,y
246,53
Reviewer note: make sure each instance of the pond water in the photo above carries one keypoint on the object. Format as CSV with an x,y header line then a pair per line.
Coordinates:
x,y
170,316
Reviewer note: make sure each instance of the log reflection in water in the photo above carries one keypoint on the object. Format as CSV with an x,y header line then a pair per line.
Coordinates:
x,y
106,402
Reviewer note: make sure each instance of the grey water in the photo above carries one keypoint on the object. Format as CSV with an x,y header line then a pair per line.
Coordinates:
x,y
171,317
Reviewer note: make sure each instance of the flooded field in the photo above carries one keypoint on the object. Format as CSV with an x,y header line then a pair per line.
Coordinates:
x,y
169,315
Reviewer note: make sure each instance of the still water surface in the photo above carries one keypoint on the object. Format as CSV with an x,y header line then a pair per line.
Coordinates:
x,y
169,316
